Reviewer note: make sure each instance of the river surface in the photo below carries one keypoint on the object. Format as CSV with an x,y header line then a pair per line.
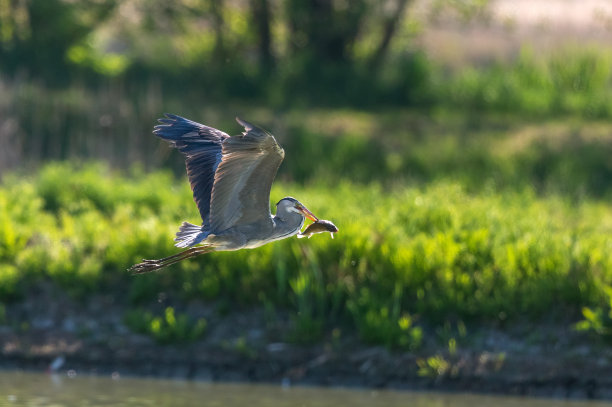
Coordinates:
x,y
32,389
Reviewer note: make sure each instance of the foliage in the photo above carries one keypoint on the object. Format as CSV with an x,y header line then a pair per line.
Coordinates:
x,y
378,324
239,49
290,53
37,35
575,81
434,367
568,156
598,320
405,259
169,328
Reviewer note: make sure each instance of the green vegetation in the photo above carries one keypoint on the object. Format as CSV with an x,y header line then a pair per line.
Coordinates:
x,y
285,54
246,49
598,320
406,258
567,155
477,194
574,81
167,329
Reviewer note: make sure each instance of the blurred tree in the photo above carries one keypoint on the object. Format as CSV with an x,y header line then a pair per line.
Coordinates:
x,y
260,11
331,51
216,11
325,30
14,22
320,64
35,35
390,23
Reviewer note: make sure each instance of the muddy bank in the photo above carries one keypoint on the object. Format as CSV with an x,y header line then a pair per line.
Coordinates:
x,y
367,367
543,360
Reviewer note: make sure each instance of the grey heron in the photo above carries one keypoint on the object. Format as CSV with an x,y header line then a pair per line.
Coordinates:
x,y
231,178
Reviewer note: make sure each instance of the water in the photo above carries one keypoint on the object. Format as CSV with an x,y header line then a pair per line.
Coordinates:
x,y
33,390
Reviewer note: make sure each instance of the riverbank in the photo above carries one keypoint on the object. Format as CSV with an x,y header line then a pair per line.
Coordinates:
x,y
520,359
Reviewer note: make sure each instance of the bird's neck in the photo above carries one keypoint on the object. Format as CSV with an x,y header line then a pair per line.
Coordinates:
x,y
288,224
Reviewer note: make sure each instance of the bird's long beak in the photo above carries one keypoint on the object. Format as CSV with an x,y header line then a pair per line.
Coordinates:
x,y
308,214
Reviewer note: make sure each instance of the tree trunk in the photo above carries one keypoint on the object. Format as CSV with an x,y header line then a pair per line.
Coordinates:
x,y
324,31
216,10
261,21
389,29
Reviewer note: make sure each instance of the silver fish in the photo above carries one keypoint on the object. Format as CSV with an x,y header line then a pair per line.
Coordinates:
x,y
319,226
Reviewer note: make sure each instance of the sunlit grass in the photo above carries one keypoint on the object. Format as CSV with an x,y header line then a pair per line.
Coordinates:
x,y
406,257
167,328
569,81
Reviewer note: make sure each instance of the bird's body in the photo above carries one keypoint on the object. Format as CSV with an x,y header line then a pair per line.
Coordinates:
x,y
231,178
255,234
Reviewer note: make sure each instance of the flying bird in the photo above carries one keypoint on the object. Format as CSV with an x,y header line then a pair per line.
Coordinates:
x,y
231,178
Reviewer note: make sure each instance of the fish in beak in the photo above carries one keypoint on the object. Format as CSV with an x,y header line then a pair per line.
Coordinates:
x,y
319,226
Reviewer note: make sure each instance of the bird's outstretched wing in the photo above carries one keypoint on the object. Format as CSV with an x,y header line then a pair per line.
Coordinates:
x,y
202,147
241,191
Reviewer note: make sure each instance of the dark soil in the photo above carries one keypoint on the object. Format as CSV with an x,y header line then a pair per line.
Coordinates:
x,y
246,345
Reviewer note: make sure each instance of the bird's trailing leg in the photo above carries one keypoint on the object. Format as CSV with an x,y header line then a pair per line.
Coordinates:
x,y
152,265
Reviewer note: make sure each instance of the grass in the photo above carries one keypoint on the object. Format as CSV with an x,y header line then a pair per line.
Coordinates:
x,y
567,81
598,319
167,329
407,258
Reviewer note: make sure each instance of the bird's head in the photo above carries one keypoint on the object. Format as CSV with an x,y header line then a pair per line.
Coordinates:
x,y
288,205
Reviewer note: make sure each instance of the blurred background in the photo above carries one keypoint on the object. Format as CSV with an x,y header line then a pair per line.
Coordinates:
x,y
463,148
87,79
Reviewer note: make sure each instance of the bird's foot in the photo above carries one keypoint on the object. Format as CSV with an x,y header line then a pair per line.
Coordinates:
x,y
145,266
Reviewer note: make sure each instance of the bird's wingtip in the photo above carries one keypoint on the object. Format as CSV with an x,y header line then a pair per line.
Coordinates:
x,y
168,117
168,120
248,126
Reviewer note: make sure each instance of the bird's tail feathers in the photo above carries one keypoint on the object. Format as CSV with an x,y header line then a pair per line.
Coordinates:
x,y
189,235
